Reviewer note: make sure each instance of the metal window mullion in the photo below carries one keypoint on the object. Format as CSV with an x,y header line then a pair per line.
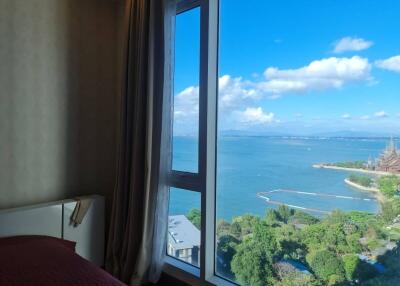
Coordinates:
x,y
213,29
207,132
203,133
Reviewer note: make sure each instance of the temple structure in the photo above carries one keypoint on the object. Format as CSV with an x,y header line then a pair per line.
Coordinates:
x,y
389,161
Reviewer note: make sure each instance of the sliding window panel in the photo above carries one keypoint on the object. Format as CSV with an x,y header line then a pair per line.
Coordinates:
x,y
186,96
184,221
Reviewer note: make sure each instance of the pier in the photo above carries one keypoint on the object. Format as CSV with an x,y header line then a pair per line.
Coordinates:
x,y
266,196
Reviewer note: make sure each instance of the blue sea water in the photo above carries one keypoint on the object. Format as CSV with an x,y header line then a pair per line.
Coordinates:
x,y
247,165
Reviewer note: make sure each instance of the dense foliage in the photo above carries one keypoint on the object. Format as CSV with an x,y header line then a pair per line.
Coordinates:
x,y
326,265
328,247
389,185
256,250
194,216
351,164
250,248
254,258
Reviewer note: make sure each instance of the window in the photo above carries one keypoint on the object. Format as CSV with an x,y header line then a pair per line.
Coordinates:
x,y
297,182
186,99
191,218
184,221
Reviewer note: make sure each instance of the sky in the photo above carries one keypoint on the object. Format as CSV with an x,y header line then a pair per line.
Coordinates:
x,y
298,67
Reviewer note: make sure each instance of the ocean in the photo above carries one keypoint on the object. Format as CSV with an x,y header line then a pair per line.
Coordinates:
x,y
248,165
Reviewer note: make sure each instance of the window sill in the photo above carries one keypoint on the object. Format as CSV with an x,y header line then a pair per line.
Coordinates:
x,y
190,274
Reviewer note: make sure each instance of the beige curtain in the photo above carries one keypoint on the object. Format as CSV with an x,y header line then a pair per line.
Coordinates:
x,y
138,229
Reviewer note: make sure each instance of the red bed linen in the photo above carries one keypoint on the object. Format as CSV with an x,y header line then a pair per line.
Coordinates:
x,y
47,261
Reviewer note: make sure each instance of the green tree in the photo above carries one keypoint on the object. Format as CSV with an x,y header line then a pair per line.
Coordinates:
x,y
335,238
236,230
289,242
301,217
335,280
254,258
396,204
272,217
194,216
388,213
360,217
247,223
243,225
324,264
284,213
337,217
388,185
252,264
351,164
353,242
351,263
226,249
223,228
390,209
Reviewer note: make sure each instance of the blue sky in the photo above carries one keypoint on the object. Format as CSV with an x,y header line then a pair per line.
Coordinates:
x,y
298,67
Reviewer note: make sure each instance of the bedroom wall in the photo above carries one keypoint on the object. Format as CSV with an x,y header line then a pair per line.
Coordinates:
x,y
58,99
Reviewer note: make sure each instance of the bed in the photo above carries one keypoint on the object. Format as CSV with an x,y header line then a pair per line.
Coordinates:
x,y
39,246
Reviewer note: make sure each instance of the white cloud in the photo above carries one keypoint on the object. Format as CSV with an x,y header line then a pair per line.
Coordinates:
x,y
380,114
392,64
346,116
329,73
254,116
237,94
234,92
351,44
186,103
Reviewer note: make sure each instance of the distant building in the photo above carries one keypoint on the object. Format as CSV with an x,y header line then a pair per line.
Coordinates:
x,y
286,266
389,161
183,239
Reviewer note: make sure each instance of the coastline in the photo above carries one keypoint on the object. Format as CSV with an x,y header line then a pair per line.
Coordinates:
x,y
374,191
377,194
324,166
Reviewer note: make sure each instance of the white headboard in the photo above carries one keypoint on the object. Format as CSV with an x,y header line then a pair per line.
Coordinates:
x,y
53,219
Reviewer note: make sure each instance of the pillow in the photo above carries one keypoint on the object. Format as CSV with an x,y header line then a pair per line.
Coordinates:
x,y
23,239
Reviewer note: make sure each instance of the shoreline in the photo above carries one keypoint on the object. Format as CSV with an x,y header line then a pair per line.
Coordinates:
x,y
377,194
374,191
324,166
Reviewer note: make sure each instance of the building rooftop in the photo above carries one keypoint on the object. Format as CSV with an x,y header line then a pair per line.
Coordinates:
x,y
296,265
182,234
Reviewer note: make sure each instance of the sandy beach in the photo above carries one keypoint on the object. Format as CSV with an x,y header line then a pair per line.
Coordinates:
x,y
377,194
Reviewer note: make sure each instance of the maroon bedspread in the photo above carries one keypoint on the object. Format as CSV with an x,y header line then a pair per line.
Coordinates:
x,y
47,261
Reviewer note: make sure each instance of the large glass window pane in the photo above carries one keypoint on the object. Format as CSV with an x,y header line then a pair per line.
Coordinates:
x,y
186,86
307,163
184,226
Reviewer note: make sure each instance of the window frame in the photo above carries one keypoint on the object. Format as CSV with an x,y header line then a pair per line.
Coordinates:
x,y
204,181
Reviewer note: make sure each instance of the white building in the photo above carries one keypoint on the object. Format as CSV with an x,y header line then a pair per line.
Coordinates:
x,y
183,239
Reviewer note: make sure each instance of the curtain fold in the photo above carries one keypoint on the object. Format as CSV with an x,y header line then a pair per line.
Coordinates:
x,y
139,220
